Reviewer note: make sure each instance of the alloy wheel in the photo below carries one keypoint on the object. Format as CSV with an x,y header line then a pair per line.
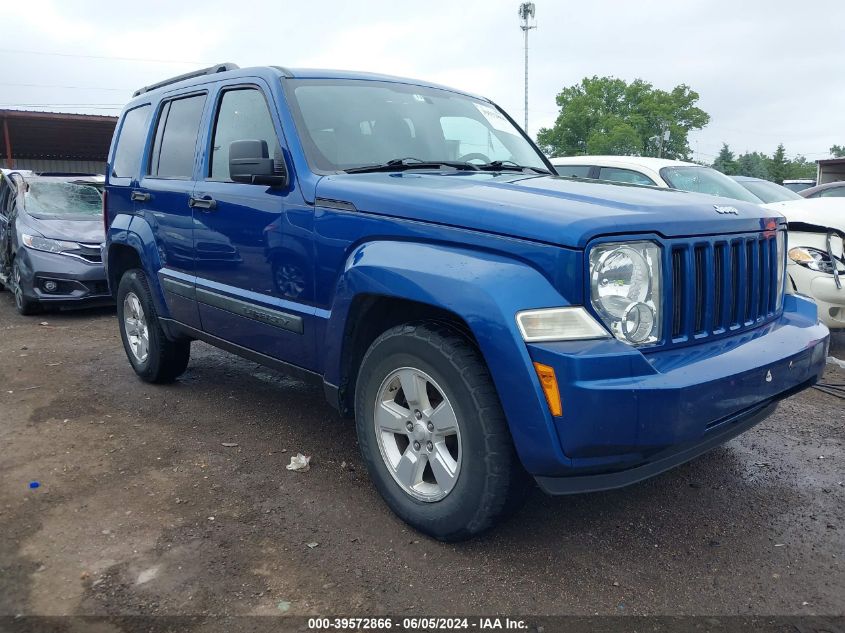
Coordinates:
x,y
135,326
16,277
418,434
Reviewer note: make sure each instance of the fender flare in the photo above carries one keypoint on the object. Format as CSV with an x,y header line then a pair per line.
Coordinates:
x,y
135,232
485,290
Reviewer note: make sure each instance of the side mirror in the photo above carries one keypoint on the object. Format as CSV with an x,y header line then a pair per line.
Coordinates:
x,y
250,162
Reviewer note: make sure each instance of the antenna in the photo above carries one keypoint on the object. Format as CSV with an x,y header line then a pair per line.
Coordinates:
x,y
527,11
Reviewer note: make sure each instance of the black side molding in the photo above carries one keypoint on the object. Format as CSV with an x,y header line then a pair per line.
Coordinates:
x,y
175,329
276,318
176,287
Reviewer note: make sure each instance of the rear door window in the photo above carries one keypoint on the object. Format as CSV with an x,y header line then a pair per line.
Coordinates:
x,y
174,148
616,174
130,143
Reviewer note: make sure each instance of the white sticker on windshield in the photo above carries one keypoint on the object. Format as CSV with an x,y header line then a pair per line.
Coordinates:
x,y
494,118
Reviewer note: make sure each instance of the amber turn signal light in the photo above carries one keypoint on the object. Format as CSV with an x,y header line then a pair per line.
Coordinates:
x,y
548,380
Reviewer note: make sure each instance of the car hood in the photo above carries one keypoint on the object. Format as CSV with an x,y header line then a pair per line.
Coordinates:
x,y
812,213
87,231
549,209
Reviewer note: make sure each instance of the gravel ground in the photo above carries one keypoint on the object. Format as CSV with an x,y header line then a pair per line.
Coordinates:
x,y
144,510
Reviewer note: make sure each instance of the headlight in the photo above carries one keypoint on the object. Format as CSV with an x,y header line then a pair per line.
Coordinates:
x,y
812,258
51,246
625,289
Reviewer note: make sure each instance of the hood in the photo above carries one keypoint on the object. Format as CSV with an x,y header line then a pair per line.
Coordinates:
x,y
813,213
542,208
87,231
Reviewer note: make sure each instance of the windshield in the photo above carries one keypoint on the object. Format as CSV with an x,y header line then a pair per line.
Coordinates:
x,y
769,191
706,180
62,199
346,124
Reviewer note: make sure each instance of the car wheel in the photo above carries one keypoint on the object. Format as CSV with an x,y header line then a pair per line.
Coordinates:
x,y
153,356
24,306
433,434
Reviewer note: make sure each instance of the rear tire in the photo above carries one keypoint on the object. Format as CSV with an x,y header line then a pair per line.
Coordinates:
x,y
462,476
153,356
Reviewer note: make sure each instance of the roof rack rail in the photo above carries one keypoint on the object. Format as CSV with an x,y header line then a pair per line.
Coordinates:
x,y
211,70
285,71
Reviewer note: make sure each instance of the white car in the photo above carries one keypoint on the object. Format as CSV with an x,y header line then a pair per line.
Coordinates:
x,y
816,253
657,172
814,244
816,230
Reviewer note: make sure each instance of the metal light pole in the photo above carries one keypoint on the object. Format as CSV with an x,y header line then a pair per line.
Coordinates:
x,y
526,13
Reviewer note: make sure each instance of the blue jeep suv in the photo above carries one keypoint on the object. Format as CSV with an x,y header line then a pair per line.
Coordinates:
x,y
406,246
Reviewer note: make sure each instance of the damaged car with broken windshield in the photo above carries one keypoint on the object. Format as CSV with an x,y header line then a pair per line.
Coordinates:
x,y
51,230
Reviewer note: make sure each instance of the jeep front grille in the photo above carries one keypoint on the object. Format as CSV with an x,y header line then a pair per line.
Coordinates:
x,y
722,284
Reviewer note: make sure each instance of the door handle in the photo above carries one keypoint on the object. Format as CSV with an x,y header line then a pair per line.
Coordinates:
x,y
140,196
206,203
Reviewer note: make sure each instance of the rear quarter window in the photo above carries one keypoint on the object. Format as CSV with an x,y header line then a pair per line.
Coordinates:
x,y
618,174
573,171
130,142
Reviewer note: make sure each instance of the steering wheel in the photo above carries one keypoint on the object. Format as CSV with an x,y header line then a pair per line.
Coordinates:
x,y
474,156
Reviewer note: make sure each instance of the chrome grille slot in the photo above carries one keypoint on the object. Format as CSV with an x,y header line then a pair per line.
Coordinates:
x,y
749,281
718,283
677,292
700,288
735,272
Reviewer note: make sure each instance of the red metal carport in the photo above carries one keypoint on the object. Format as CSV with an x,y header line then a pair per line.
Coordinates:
x,y
55,141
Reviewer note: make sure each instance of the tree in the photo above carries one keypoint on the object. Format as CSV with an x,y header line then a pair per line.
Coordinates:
x,y
800,167
725,162
610,116
777,165
754,164
837,151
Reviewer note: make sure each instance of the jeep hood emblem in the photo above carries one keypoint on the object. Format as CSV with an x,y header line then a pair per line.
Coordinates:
x,y
726,210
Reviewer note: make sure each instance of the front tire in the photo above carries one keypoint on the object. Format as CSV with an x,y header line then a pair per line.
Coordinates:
x,y
24,306
153,356
433,434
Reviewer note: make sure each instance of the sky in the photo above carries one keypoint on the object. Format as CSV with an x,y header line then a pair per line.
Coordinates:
x,y
767,71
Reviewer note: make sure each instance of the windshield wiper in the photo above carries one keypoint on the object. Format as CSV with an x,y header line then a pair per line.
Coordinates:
x,y
509,165
402,164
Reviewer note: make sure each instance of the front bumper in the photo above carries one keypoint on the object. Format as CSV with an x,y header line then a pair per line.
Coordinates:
x,y
79,282
659,462
629,415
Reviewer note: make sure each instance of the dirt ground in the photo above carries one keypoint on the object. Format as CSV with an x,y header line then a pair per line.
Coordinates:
x,y
143,510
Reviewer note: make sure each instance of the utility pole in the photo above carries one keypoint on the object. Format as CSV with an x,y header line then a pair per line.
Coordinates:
x,y
664,137
526,13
